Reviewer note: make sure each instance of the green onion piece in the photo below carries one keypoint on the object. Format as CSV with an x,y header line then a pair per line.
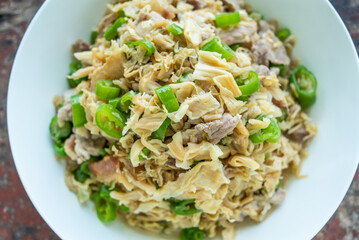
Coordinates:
x,y
216,45
123,103
270,134
121,13
59,133
175,29
283,34
83,172
183,207
183,77
78,111
143,43
160,133
192,233
106,90
110,120
305,86
227,19
94,35
105,209
60,149
112,33
145,151
167,97
123,208
235,46
248,84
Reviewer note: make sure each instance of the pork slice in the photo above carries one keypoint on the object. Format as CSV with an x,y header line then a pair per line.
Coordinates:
x,y
80,46
278,197
298,135
261,70
106,22
218,129
242,33
106,169
197,4
65,113
85,147
270,49
192,135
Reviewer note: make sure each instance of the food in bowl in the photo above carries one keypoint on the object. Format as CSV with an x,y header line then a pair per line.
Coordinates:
x,y
183,116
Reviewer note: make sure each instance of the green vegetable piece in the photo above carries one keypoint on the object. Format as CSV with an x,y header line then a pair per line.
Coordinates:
x,y
106,90
175,29
243,98
110,120
123,208
282,68
94,35
305,86
183,207
192,233
249,84
143,43
60,149
74,66
112,33
105,209
59,133
216,45
75,82
227,19
121,13
284,115
183,77
283,34
123,103
167,97
145,151
235,46
78,111
279,185
160,133
103,152
83,172
270,134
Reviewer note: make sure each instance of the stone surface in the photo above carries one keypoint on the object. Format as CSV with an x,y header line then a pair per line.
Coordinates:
x,y
18,217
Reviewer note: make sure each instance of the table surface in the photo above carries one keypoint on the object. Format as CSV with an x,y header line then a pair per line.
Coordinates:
x,y
20,220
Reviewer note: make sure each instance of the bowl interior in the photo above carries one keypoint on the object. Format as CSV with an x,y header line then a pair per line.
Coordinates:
x,y
39,73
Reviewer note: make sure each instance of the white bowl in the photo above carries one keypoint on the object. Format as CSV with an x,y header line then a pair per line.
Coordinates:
x,y
324,46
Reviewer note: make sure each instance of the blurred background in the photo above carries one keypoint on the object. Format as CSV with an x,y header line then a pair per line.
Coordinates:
x,y
20,220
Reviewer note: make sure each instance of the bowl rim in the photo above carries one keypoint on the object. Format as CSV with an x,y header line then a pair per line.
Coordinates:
x,y
11,136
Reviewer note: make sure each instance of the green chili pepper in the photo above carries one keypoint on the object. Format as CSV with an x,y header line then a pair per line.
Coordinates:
x,y
121,13
305,86
105,209
60,149
103,152
94,35
279,185
143,43
183,77
123,208
227,19
195,163
110,120
112,33
283,34
192,233
183,207
216,45
160,133
59,133
74,66
167,97
78,111
249,84
243,98
270,134
145,151
83,172
123,103
175,29
235,46
281,67
106,90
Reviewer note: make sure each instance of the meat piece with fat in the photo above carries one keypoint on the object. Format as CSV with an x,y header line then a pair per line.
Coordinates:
x,y
106,169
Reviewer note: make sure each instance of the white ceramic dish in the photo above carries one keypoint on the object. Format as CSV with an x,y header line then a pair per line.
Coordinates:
x,y
324,46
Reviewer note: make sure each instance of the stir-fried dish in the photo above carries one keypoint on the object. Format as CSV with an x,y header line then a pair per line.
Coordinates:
x,y
183,116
